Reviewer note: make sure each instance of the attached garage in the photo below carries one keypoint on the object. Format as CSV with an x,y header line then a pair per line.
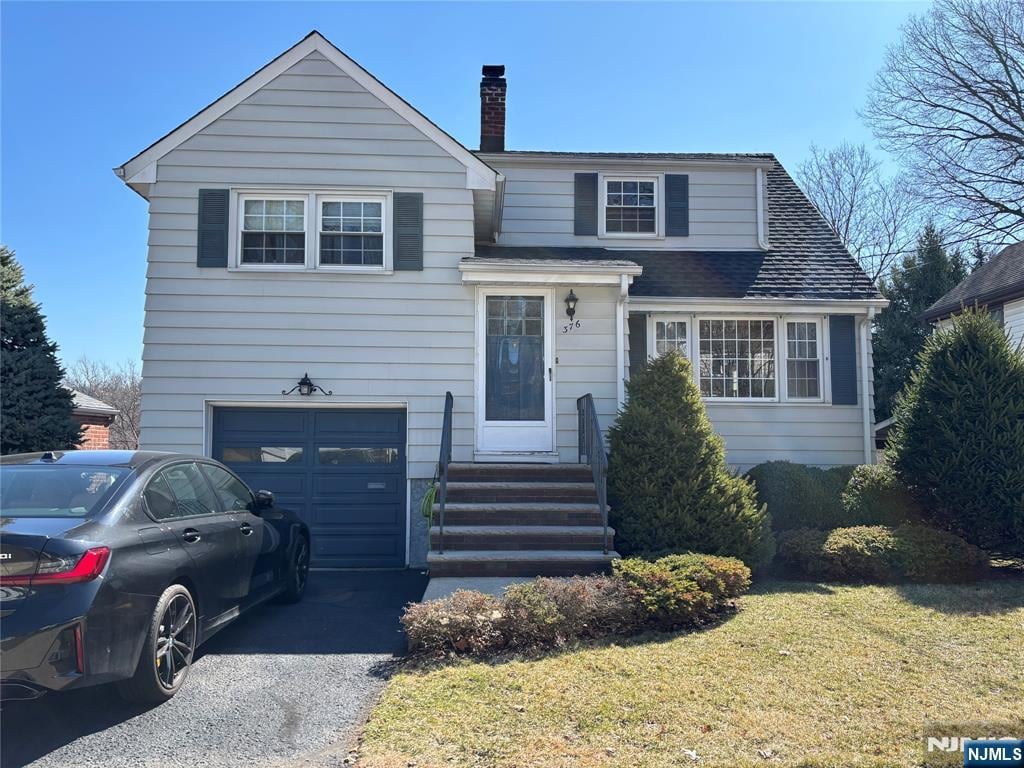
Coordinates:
x,y
342,470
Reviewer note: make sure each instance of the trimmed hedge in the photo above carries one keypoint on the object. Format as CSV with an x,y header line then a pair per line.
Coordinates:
x,y
800,496
672,592
879,554
876,496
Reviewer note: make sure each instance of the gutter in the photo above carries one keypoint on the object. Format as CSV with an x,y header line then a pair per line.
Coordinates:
x,y
620,339
869,432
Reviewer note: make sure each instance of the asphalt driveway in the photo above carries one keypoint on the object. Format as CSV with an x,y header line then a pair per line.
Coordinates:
x,y
285,686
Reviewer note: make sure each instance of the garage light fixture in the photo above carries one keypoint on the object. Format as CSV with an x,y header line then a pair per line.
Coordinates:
x,y
306,387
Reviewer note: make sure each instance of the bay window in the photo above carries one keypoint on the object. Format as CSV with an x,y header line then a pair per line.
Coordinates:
x,y
737,358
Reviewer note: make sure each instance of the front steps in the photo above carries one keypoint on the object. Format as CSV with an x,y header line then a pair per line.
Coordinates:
x,y
520,520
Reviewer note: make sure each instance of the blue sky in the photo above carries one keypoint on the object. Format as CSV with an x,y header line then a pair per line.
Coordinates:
x,y
86,85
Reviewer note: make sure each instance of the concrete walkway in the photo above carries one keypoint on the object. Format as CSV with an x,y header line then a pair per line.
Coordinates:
x,y
491,585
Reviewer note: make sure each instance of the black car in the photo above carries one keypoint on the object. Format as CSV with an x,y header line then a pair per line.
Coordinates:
x,y
116,565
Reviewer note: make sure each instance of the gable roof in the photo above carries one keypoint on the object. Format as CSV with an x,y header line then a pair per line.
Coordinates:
x,y
139,171
805,258
1001,278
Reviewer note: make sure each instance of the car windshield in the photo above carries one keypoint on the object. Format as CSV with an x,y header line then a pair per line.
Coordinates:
x,y
56,491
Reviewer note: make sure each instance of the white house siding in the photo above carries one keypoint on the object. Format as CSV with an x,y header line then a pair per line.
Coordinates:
x,y
538,209
215,334
1013,320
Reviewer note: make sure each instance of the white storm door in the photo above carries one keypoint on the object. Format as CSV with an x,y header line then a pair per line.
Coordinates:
x,y
515,402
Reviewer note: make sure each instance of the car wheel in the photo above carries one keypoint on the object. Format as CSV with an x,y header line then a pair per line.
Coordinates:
x,y
298,573
167,651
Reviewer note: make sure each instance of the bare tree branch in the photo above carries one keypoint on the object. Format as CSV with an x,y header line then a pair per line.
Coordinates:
x,y
875,217
948,102
120,387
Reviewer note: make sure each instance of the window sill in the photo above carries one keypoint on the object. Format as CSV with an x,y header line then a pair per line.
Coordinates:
x,y
320,270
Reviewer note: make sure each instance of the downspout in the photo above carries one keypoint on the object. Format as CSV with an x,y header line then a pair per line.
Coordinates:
x,y
762,241
869,433
620,340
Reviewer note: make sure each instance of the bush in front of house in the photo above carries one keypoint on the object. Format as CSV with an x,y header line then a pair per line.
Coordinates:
x,y
684,590
879,554
669,486
670,593
466,622
876,496
801,496
958,439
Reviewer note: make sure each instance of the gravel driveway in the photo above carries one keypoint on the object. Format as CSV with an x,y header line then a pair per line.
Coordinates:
x,y
283,686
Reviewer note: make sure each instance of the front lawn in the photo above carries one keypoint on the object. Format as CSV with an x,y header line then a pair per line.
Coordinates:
x,y
803,675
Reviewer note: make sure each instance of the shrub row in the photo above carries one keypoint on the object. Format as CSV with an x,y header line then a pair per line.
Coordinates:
x,y
672,592
879,554
799,496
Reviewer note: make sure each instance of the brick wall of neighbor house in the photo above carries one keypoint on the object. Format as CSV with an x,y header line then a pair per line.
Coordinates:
x,y
95,432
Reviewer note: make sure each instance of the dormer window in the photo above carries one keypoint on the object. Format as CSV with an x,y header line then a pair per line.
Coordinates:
x,y
630,206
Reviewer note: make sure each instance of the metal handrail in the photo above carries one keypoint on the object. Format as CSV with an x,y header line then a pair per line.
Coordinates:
x,y
443,461
591,446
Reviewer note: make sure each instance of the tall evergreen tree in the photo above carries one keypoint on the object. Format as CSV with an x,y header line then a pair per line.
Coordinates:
x,y
35,410
914,284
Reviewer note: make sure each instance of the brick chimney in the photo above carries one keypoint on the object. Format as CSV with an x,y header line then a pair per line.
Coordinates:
x,y
492,108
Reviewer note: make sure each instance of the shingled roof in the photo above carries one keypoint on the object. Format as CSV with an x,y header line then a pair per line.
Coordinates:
x,y
805,259
999,279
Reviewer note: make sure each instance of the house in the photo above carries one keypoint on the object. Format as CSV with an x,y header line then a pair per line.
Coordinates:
x,y
94,417
325,263
998,284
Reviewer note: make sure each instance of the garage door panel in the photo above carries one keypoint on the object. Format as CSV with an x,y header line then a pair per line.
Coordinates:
x,y
342,471
380,425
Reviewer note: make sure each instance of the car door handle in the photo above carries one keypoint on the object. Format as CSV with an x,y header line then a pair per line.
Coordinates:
x,y
246,529
191,535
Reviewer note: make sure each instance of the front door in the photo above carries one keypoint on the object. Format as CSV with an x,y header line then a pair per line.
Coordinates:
x,y
514,372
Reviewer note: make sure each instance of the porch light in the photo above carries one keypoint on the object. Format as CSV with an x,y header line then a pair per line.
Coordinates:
x,y
306,387
570,304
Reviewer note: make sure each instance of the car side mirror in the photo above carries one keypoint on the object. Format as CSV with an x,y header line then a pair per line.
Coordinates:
x,y
264,500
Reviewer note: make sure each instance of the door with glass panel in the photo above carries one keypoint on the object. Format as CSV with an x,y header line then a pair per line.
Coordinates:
x,y
514,372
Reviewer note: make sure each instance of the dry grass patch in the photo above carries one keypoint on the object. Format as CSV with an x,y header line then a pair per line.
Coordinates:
x,y
804,675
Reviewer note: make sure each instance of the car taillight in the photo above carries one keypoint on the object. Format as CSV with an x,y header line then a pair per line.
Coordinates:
x,y
64,570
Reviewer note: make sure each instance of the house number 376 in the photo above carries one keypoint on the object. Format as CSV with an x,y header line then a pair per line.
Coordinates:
x,y
571,326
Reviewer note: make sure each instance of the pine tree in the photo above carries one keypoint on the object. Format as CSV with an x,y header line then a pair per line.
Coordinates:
x,y
670,488
958,442
913,285
35,410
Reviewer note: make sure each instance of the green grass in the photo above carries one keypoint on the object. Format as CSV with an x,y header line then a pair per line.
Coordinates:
x,y
803,675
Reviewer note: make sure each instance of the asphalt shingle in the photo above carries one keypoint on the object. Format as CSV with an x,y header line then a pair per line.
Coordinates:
x,y
999,279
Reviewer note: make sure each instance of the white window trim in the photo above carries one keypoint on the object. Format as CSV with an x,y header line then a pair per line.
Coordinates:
x,y
236,220
781,357
822,357
311,202
652,320
384,198
659,208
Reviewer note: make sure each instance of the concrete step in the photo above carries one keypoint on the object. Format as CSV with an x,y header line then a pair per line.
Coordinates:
x,y
540,473
519,513
521,537
521,492
518,563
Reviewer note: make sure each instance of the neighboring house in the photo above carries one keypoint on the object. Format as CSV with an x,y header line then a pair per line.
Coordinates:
x,y
95,418
998,284
311,220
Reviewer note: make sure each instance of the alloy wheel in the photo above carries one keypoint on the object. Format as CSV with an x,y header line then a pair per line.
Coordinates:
x,y
176,641
301,565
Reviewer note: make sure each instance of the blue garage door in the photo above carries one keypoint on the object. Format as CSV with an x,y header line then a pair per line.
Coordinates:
x,y
343,471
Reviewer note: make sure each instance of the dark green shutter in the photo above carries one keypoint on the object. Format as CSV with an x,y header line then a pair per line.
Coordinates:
x,y
677,205
212,242
585,203
637,342
843,343
408,230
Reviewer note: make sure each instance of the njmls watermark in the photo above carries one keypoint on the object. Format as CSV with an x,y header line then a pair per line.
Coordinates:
x,y
974,744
